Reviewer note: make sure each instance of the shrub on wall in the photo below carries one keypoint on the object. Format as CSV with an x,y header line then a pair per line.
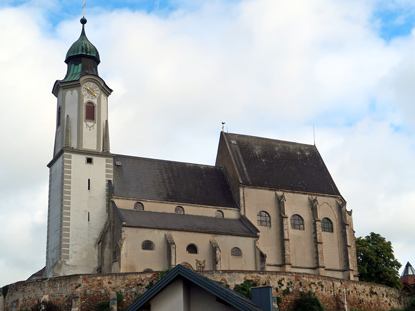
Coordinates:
x,y
308,302
245,288
4,290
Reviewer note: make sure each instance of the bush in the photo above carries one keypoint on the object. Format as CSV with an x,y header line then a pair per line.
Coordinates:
x,y
308,302
5,290
245,288
45,306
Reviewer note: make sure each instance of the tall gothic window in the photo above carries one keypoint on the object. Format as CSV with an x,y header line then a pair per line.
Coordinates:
x,y
297,222
263,219
326,225
90,112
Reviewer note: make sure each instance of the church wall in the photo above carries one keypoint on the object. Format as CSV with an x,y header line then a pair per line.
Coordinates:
x,y
169,208
59,129
133,258
88,212
71,109
92,289
54,233
255,201
302,251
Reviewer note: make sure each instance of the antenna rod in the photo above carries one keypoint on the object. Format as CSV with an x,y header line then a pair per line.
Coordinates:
x,y
314,136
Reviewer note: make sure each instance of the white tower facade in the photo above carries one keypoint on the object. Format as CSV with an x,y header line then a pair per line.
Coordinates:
x,y
81,166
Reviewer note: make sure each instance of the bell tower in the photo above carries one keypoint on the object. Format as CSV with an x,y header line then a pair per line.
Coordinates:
x,y
81,165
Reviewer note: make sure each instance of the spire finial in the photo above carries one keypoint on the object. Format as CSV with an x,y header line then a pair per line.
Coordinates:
x,y
83,9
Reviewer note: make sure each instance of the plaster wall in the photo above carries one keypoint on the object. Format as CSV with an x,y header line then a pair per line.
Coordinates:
x,y
71,109
169,208
171,298
88,211
203,300
59,129
337,246
133,258
54,232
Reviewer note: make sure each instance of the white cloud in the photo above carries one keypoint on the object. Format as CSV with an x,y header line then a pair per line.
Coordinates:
x,y
267,68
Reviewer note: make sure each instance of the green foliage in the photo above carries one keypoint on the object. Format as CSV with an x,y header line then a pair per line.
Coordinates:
x,y
308,302
102,306
411,305
5,290
245,288
376,262
105,305
120,301
45,306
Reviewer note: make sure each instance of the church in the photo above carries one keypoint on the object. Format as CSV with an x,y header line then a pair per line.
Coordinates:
x,y
266,204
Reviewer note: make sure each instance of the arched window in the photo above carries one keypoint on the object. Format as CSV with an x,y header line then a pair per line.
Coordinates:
x,y
219,214
147,245
90,112
263,219
179,210
191,249
297,222
326,225
236,252
139,206
147,270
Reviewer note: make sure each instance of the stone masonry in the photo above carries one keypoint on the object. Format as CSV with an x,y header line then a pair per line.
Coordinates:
x,y
83,292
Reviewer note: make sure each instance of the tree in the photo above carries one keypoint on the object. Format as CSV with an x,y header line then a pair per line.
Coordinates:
x,y
376,262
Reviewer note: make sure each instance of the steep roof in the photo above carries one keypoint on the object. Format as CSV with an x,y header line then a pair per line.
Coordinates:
x,y
278,164
192,223
170,181
225,294
408,270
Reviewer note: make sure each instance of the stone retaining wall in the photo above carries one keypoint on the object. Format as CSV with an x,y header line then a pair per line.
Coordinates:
x,y
87,290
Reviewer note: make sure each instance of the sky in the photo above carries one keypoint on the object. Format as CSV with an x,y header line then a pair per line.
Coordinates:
x,y
342,69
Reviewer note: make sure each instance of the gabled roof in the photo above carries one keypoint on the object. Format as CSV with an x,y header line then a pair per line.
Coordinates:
x,y
229,296
179,222
170,181
408,270
281,165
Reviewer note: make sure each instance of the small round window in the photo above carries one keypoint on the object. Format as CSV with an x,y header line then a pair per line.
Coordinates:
x,y
179,210
139,206
236,252
219,214
147,245
191,249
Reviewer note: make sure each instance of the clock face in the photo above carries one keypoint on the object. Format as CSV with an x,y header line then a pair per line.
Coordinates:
x,y
90,90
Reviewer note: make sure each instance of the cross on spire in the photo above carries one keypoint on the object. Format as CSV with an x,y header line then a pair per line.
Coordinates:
x,y
83,8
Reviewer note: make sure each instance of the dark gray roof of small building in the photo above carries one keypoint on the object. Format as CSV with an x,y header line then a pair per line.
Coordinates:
x,y
170,181
225,294
278,164
192,223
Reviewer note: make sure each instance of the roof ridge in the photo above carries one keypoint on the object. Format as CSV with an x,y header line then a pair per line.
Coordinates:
x,y
272,139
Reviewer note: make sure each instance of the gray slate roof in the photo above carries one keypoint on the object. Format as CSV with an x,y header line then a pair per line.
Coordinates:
x,y
280,164
227,295
170,181
192,223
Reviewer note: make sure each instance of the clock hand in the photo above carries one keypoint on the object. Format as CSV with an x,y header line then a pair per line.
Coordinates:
x,y
91,91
